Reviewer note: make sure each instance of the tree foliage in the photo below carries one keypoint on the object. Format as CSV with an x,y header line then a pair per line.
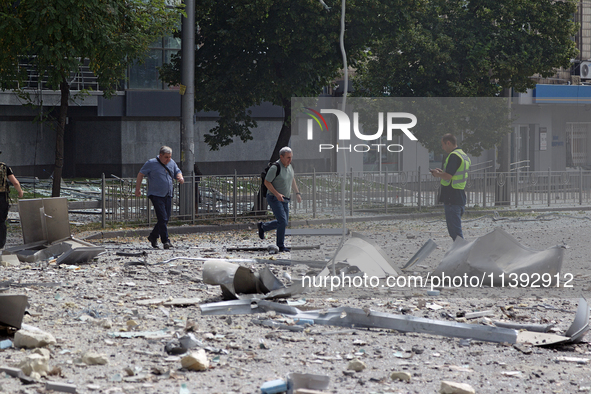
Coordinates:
x,y
266,50
458,48
56,36
471,48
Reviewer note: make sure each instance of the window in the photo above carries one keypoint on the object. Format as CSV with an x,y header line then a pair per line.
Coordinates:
x,y
145,75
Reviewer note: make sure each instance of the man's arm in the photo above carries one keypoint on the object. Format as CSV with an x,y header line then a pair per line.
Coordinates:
x,y
138,184
16,185
439,173
453,164
272,189
179,174
297,192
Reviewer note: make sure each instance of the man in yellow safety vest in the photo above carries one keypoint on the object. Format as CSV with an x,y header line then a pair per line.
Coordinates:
x,y
453,182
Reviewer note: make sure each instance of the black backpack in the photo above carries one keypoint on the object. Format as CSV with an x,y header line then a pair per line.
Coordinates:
x,y
264,175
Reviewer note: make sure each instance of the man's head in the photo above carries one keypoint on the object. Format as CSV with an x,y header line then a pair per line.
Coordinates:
x,y
165,154
285,156
449,143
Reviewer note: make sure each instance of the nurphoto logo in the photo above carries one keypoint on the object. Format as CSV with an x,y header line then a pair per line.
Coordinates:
x,y
344,129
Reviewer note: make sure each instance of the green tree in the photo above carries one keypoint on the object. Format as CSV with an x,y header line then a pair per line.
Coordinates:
x,y
477,48
250,51
56,36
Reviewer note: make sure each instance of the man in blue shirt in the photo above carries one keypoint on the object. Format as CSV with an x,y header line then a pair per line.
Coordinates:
x,y
160,172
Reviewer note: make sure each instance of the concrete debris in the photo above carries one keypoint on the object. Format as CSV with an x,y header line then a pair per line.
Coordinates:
x,y
196,361
93,358
59,386
356,365
296,382
135,317
9,260
495,256
36,365
448,387
30,337
399,375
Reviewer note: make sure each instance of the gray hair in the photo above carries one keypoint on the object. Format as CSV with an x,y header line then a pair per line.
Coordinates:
x,y
284,150
165,150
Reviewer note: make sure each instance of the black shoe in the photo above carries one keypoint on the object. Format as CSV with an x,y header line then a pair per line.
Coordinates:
x,y
154,242
284,249
261,231
167,245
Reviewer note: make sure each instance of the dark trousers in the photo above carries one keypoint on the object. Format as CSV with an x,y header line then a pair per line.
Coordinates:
x,y
453,217
162,207
4,205
281,212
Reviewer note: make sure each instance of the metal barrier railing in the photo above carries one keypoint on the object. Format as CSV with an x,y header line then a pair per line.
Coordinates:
x,y
235,196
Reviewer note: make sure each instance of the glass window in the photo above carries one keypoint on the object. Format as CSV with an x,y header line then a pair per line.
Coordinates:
x,y
145,75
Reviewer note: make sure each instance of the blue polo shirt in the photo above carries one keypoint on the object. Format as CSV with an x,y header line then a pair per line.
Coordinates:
x,y
159,180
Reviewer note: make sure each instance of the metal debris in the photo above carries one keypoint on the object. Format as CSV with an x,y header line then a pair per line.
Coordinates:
x,y
497,255
12,309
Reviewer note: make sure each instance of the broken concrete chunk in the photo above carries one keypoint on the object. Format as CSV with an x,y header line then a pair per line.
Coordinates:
x,y
32,337
9,260
58,386
10,371
196,361
297,382
92,358
35,365
448,387
356,365
398,375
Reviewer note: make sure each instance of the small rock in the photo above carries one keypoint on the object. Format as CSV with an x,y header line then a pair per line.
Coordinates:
x,y
417,349
35,365
104,323
196,361
448,387
356,365
92,358
33,338
398,375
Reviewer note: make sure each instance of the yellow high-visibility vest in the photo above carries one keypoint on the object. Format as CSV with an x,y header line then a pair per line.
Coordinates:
x,y
459,179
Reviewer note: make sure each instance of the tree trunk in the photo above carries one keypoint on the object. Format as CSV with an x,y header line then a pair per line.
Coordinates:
x,y
282,140
285,133
59,139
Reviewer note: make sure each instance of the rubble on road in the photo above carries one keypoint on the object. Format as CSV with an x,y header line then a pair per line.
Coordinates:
x,y
124,321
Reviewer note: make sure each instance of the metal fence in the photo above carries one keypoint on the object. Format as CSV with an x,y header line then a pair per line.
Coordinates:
x,y
234,197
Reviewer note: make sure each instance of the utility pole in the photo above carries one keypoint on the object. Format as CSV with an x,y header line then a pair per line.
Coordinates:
x,y
188,104
502,195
